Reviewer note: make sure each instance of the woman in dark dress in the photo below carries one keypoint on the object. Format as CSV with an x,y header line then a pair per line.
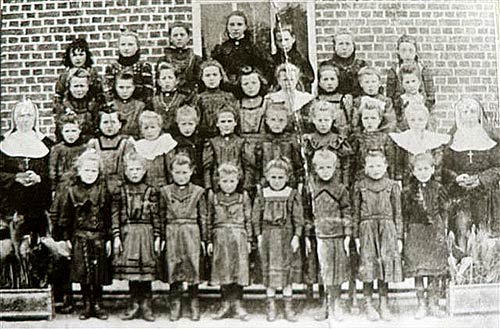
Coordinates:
x,y
25,194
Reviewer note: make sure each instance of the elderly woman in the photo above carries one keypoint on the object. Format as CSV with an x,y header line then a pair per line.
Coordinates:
x,y
471,172
25,195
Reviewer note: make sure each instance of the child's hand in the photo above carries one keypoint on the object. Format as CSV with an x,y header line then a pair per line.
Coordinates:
x,y
358,244
157,246
400,245
108,248
210,249
300,188
33,177
69,245
249,247
203,248
163,245
308,246
295,244
347,101
259,242
347,240
117,245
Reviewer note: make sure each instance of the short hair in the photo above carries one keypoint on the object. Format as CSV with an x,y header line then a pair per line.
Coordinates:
x,y
343,31
321,106
283,28
420,157
228,168
124,32
286,67
370,104
245,71
176,24
210,63
369,71
77,44
133,156
77,72
406,69
149,116
167,66
69,117
375,154
324,154
226,108
275,106
126,74
187,111
89,155
325,67
280,163
181,159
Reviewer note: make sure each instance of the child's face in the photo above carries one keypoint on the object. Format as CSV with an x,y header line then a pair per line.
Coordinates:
x,y
78,87
135,171
179,37
236,27
250,84
70,132
329,81
324,169
88,171
417,120
371,120
124,88
127,46
226,123
370,84
277,178
288,82
407,51
410,83
78,57
277,120
211,77
186,126
228,183
375,167
181,174
344,45
150,129
285,40
167,80
110,124
423,171
323,121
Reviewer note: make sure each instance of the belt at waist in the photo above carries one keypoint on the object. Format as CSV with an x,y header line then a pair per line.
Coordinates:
x,y
183,221
229,225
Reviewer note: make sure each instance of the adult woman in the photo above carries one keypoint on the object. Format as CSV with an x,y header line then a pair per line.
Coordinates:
x,y
24,185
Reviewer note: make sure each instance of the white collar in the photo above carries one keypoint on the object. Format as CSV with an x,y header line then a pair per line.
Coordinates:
x,y
28,145
474,139
151,149
411,142
284,193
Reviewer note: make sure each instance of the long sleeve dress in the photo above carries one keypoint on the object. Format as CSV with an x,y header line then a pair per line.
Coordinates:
x,y
188,67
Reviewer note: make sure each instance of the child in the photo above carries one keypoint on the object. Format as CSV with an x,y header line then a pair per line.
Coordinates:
x,y
418,139
425,218
154,147
188,140
407,53
288,76
278,223
84,223
111,147
168,98
330,214
322,116
378,232
127,107
285,43
129,53
229,218
370,81
227,147
78,55
136,236
183,210
78,100
180,56
209,101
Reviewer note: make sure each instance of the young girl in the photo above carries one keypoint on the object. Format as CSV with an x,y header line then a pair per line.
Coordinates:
x,y
136,236
184,228
179,55
378,232
154,147
209,101
278,224
84,222
78,100
78,55
168,98
229,220
129,53
407,53
424,203
126,106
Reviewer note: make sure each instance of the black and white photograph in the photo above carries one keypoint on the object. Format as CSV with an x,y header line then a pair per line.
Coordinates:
x,y
250,164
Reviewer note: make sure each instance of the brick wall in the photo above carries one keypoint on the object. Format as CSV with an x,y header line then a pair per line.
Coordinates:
x,y
456,39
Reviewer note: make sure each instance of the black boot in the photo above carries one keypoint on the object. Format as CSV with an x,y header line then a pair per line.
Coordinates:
x,y
87,309
67,307
133,310
175,301
289,312
146,302
195,303
236,297
98,311
225,306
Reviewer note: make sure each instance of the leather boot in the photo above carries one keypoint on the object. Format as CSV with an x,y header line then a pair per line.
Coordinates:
x,y
133,310
371,312
147,311
289,312
97,309
271,309
175,308
195,303
323,311
223,311
240,311
87,309
385,311
421,309
67,307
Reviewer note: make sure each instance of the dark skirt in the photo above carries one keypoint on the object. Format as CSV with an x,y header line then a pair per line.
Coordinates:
x,y
333,261
183,254
310,263
137,262
230,259
379,256
89,264
280,266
